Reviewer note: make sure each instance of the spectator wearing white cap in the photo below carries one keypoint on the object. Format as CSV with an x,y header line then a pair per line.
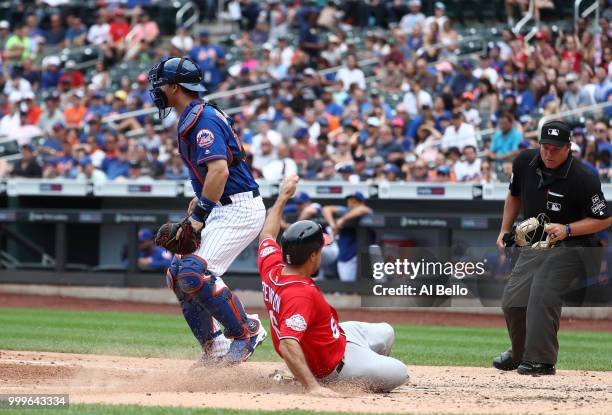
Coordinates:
x,y
5,31
415,17
51,72
351,74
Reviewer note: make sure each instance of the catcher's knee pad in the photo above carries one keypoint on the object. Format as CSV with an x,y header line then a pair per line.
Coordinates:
x,y
192,274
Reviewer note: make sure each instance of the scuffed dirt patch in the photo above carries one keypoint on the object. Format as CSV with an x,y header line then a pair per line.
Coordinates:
x,y
168,382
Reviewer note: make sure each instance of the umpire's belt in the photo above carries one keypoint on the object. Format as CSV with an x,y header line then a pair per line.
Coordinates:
x,y
227,200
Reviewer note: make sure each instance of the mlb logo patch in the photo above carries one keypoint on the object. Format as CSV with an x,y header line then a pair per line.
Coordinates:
x,y
205,138
555,207
553,131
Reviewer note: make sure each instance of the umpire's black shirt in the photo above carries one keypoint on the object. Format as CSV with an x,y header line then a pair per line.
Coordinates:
x,y
567,194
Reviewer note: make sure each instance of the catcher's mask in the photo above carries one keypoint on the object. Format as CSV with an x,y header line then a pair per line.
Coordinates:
x,y
182,71
302,239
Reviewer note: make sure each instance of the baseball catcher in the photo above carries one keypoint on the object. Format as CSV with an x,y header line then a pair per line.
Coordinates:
x,y
225,215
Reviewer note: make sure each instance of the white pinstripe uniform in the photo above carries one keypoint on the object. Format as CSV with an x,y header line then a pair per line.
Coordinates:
x,y
229,230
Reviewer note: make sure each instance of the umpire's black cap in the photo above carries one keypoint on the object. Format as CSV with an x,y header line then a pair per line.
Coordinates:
x,y
556,133
302,239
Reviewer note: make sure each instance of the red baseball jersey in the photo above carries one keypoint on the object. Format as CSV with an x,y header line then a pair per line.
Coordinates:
x,y
298,310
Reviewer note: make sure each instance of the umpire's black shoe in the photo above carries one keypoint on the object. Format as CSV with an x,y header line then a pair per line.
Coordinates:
x,y
536,369
505,362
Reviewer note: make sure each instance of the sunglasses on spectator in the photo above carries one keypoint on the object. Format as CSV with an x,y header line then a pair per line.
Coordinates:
x,y
601,130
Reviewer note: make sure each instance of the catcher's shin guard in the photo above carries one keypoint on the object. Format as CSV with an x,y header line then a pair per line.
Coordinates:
x,y
198,319
214,296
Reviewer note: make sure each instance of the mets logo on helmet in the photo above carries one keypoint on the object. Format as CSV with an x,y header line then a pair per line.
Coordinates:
x,y
205,138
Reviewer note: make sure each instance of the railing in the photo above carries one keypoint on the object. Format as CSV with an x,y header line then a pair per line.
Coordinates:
x,y
570,113
192,20
528,16
592,8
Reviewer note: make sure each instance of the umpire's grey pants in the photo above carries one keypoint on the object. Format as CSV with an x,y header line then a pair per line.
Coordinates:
x,y
532,301
366,358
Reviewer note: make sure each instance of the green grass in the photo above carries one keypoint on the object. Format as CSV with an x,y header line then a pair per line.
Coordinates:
x,y
159,335
90,409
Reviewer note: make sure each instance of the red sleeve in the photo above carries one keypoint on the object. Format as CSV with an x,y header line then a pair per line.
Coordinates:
x,y
296,314
268,256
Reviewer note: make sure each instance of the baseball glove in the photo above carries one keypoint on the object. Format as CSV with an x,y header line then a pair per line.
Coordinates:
x,y
187,243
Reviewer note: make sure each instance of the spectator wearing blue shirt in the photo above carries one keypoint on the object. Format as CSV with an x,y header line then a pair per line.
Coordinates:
x,y
56,35
211,60
51,74
343,221
76,35
141,92
426,114
150,256
464,80
94,129
96,106
309,38
524,99
176,169
602,86
52,146
505,144
116,165
331,107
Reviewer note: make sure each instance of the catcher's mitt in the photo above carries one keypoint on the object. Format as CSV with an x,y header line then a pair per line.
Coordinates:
x,y
523,230
525,233
187,243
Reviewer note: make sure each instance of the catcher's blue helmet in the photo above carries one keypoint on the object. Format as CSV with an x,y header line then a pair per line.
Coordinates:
x,y
182,71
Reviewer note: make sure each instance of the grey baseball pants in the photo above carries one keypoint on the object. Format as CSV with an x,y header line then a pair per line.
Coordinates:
x,y
366,358
532,301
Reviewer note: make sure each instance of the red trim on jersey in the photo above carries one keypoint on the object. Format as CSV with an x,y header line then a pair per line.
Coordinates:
x,y
214,157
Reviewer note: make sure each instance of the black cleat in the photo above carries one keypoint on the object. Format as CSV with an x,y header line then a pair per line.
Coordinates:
x,y
536,369
505,362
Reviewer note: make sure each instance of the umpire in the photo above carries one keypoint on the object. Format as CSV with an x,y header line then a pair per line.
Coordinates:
x,y
548,180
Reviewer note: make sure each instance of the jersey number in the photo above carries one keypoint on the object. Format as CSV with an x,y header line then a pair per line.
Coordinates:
x,y
334,328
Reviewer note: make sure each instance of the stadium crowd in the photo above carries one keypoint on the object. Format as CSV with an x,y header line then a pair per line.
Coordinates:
x,y
403,104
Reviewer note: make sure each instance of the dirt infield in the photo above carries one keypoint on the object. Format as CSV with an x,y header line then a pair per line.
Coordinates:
x,y
390,316
166,382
